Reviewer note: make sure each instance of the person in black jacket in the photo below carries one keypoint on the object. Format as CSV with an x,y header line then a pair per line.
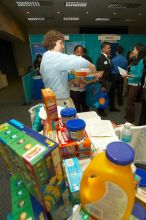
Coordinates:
x,y
37,63
104,64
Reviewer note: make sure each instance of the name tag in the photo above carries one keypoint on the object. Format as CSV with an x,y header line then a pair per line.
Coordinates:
x,y
105,62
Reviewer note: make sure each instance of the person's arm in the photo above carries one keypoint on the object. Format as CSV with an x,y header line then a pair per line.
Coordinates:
x,y
72,62
96,79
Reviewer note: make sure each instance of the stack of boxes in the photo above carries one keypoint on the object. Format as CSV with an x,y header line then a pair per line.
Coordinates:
x,y
36,158
68,148
25,206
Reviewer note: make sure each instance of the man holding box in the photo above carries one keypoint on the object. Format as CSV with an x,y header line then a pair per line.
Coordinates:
x,y
55,66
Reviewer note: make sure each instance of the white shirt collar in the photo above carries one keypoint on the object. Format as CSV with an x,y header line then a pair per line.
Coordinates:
x,y
105,55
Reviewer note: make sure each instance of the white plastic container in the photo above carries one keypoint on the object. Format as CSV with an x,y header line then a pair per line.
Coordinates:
x,y
126,133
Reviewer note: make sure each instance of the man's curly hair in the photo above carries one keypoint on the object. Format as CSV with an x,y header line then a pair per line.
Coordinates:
x,y
51,38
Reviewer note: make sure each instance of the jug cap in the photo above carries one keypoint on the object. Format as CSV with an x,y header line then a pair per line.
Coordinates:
x,y
120,153
138,211
75,124
68,112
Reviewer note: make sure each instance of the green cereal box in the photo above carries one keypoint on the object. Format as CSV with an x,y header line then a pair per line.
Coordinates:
x,y
7,132
20,204
24,213
37,160
26,207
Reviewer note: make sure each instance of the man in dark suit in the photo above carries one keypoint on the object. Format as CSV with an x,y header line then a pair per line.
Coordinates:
x,y
104,64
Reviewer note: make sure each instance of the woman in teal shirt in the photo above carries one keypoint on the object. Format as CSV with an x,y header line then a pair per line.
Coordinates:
x,y
134,83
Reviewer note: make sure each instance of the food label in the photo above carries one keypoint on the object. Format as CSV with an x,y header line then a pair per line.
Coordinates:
x,y
111,206
33,152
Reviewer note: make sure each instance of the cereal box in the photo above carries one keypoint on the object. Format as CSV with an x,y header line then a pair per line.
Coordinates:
x,y
73,174
49,100
35,157
24,206
69,148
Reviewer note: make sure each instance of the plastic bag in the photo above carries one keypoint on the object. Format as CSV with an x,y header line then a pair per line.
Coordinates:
x,y
92,94
95,97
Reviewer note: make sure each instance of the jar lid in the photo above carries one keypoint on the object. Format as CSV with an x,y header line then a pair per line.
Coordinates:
x,y
68,112
138,211
142,174
120,153
75,124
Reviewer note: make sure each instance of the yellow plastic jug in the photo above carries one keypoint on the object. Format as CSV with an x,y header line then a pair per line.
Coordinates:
x,y
107,188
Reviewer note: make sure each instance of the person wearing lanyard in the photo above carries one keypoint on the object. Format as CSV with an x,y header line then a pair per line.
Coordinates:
x,y
134,81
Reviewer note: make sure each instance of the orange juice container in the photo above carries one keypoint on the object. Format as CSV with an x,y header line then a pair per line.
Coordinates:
x,y
107,188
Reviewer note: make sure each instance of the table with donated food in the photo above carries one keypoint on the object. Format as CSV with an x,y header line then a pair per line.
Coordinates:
x,y
101,133
80,159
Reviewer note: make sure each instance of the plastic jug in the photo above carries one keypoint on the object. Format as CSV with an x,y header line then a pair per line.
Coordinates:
x,y
107,188
126,133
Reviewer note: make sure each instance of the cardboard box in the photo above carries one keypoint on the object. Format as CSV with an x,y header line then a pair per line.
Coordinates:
x,y
69,148
36,158
24,206
73,174
49,100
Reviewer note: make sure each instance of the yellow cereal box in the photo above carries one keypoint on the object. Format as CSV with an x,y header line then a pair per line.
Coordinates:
x,y
49,100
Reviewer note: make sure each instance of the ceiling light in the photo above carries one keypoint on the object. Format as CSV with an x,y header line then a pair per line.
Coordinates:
x,y
28,4
76,4
124,5
102,19
117,5
27,12
58,12
71,18
36,19
114,13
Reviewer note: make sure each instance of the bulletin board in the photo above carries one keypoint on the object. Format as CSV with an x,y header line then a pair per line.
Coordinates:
x,y
90,41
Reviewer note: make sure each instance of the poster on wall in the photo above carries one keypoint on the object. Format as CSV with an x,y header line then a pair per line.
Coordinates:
x,y
37,49
69,46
